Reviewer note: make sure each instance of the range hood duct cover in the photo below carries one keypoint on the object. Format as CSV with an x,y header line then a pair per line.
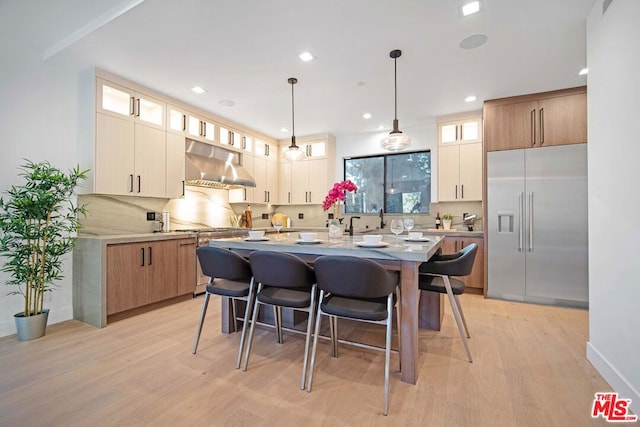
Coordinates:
x,y
211,166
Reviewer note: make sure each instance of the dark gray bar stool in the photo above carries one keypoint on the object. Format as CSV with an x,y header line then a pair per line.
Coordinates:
x,y
357,289
435,277
284,280
229,276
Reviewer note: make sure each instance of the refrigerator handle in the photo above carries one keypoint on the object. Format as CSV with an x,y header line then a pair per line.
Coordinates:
x,y
530,196
520,221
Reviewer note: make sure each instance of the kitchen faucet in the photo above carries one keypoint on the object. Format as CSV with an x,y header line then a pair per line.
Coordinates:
x,y
351,224
382,223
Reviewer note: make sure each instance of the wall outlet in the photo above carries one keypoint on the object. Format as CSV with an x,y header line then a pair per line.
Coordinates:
x,y
330,216
300,216
265,216
151,216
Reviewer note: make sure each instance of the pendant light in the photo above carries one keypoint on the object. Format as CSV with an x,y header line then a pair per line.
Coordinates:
x,y
293,152
396,140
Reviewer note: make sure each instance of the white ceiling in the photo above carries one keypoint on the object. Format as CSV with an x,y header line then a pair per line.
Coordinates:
x,y
245,50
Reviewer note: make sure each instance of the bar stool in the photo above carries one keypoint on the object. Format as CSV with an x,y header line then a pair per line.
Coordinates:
x,y
434,276
356,289
229,276
284,280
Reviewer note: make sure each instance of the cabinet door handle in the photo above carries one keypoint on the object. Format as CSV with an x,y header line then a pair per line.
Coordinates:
x,y
456,192
138,107
204,129
289,196
541,126
244,142
520,221
139,181
268,196
230,138
132,102
462,191
533,127
245,194
150,256
455,245
309,196
530,195
142,257
131,183
183,188
184,122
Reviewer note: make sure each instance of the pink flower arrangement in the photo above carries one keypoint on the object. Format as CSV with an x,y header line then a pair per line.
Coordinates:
x,y
337,193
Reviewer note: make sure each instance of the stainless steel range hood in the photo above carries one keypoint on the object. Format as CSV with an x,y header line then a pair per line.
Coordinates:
x,y
211,166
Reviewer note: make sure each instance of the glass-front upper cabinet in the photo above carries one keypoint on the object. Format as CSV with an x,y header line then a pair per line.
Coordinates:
x,y
119,101
458,131
316,149
200,128
176,120
230,137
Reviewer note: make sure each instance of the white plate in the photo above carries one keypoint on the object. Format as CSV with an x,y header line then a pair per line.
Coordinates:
x,y
308,242
262,239
421,239
371,245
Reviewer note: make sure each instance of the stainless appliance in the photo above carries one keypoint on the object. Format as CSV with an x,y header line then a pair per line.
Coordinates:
x,y
537,225
207,165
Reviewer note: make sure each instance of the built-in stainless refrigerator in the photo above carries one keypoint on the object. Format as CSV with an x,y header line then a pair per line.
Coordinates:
x,y
537,225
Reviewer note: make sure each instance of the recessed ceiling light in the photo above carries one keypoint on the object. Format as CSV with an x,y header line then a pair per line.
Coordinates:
x,y
470,98
381,127
227,102
470,8
198,89
583,72
284,130
366,116
305,56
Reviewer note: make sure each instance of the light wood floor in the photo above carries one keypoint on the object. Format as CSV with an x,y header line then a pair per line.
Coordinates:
x,y
529,370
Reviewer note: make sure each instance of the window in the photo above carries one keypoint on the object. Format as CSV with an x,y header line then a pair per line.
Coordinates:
x,y
399,183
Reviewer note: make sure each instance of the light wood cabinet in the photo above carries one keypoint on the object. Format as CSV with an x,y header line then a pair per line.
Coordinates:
x,y
200,128
453,244
146,272
460,160
537,120
125,103
187,266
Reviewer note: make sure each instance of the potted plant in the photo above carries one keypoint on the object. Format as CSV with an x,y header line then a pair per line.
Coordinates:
x,y
446,221
38,225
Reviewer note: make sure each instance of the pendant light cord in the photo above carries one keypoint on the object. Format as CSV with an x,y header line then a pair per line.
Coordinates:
x,y
395,86
293,117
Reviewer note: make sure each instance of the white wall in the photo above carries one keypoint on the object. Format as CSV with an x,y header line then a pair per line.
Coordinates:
x,y
614,154
423,137
41,119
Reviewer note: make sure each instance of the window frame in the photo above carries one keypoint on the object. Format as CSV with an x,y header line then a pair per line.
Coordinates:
x,y
384,177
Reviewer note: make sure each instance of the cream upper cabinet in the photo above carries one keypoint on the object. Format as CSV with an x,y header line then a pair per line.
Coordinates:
x,y
175,166
231,137
460,159
462,130
265,172
130,158
307,181
119,101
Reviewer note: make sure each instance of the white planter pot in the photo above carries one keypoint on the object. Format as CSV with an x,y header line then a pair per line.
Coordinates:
x,y
446,223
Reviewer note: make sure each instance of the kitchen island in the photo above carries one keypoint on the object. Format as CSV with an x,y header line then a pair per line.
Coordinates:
x,y
405,259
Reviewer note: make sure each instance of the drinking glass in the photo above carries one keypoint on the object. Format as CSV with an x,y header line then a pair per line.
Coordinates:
x,y
277,224
408,224
396,228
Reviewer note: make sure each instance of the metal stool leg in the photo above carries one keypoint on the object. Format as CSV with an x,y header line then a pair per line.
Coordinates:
x,y
205,304
387,354
247,314
315,342
456,314
464,321
253,325
307,341
398,320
